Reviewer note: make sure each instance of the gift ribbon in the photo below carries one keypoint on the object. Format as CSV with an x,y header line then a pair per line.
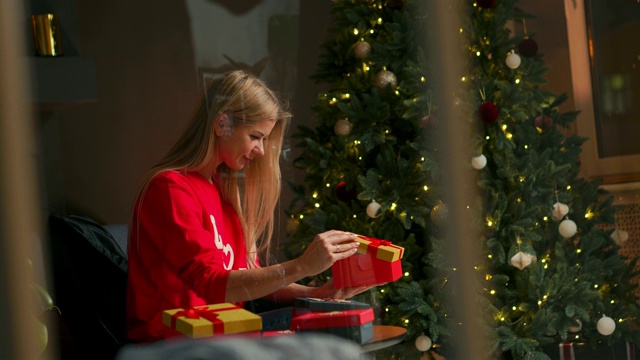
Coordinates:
x,y
374,244
566,351
205,313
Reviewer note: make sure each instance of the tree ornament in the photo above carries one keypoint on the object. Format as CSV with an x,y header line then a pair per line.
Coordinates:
x,y
428,120
513,60
528,48
488,112
479,162
343,194
362,49
395,4
423,343
559,211
606,326
342,127
543,123
522,260
292,225
567,228
486,4
385,78
373,209
576,328
439,213
619,236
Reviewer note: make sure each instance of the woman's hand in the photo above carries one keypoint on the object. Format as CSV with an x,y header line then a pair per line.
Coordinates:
x,y
327,248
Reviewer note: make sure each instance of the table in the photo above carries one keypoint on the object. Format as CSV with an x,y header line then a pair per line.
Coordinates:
x,y
384,336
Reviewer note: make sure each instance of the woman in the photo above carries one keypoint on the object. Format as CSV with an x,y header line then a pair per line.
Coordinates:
x,y
206,211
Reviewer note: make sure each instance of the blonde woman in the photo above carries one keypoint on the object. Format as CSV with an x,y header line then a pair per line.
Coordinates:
x,y
206,211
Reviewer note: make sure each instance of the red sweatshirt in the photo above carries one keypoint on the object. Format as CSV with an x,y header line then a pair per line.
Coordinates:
x,y
183,242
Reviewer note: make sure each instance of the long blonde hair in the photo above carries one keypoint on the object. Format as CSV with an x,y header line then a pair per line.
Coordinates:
x,y
255,190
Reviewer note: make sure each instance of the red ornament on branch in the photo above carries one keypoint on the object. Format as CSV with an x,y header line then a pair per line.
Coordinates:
x,y
528,48
486,4
488,112
543,123
343,194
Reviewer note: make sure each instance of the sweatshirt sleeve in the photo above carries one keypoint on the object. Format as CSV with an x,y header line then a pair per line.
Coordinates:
x,y
172,215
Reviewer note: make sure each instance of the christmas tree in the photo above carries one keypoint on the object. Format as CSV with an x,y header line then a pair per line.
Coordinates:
x,y
550,269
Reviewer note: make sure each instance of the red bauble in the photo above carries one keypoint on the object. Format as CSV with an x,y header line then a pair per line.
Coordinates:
x,y
488,112
486,4
543,122
528,48
343,194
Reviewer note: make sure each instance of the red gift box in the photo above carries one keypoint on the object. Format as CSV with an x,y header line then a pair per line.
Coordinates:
x,y
356,325
276,333
622,350
376,262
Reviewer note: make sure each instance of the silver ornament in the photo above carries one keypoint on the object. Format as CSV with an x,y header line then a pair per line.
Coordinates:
x,y
385,78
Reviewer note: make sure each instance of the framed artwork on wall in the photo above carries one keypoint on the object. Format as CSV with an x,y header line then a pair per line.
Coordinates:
x,y
605,70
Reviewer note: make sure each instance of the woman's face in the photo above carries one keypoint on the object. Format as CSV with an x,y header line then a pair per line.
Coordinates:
x,y
238,144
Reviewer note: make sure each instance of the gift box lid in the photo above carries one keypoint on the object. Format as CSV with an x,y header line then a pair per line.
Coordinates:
x,y
331,319
208,320
382,249
327,304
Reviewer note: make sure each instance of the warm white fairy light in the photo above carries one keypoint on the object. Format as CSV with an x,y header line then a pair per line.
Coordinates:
x,y
379,20
315,195
317,205
517,81
371,31
464,78
478,53
333,101
422,79
426,188
406,273
487,137
301,216
355,32
393,206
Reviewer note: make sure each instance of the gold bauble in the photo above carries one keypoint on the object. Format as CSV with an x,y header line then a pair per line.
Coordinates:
x,y
362,49
439,213
384,78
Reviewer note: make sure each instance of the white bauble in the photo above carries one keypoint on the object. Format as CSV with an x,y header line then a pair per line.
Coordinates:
x,y
513,61
479,162
619,236
423,343
372,209
567,228
576,328
606,325
559,211
342,127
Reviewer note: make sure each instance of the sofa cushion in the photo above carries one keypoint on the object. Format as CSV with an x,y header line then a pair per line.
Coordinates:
x,y
89,268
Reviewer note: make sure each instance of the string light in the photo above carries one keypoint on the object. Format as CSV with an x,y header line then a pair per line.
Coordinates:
x,y
426,188
393,206
315,195
379,20
333,101
464,78
406,273
317,205
301,216
422,79
355,32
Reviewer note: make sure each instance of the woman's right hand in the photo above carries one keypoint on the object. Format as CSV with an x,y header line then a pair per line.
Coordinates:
x,y
327,248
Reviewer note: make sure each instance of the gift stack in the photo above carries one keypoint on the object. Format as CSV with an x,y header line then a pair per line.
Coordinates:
x,y
348,319
376,262
212,320
580,351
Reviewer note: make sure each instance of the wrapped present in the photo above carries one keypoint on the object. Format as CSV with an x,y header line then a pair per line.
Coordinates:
x,y
376,262
210,320
356,325
622,350
275,333
327,304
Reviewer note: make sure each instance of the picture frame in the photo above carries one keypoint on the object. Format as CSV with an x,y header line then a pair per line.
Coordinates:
x,y
611,152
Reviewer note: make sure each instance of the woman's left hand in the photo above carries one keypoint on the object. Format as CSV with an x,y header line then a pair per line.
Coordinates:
x,y
329,291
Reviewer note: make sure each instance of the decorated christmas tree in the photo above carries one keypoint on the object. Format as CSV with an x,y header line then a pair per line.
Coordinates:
x,y
550,270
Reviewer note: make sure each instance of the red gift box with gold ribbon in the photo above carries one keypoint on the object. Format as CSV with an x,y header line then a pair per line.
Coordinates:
x,y
376,262
211,320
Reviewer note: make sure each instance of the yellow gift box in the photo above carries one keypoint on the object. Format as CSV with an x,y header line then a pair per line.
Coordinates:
x,y
210,320
382,249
